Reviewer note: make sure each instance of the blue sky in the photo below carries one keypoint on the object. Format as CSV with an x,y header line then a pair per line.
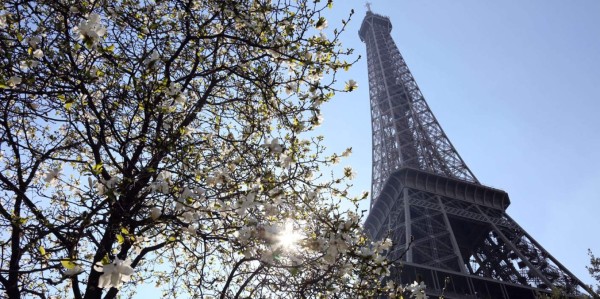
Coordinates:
x,y
516,87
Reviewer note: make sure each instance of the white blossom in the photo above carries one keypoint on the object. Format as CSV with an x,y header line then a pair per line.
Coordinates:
x,y
23,65
77,269
291,87
249,253
91,28
190,229
286,160
349,173
189,216
417,290
52,175
219,177
366,251
14,81
351,85
335,159
152,58
173,89
245,204
3,23
155,213
346,153
273,146
38,53
161,184
322,24
386,244
382,271
34,41
244,234
104,186
115,273
318,120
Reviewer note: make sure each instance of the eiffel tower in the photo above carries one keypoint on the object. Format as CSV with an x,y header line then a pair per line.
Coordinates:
x,y
448,229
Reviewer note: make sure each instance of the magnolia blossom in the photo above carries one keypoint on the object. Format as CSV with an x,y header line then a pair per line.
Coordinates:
x,y
249,252
115,273
247,203
351,85
38,53
14,81
291,88
273,145
382,271
317,120
190,216
3,21
73,271
285,160
346,153
190,229
276,195
155,213
244,234
104,186
91,28
349,173
152,58
187,193
390,285
322,24
366,251
173,89
310,195
52,175
339,244
335,159
34,41
417,290
386,244
220,176
162,183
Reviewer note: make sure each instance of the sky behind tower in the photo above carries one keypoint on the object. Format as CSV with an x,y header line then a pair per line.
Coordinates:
x,y
515,85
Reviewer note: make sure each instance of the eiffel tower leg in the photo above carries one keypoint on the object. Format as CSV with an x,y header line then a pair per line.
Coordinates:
x,y
409,252
516,250
461,262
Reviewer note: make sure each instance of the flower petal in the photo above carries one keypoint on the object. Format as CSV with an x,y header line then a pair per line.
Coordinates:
x,y
103,281
125,270
115,279
99,267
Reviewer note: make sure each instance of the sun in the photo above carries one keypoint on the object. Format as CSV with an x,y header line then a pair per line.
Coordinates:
x,y
288,238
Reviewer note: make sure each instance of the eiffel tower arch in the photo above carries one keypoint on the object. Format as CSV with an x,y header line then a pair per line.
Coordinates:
x,y
448,228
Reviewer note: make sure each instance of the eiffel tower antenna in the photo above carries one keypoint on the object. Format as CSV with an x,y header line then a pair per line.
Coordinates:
x,y
441,220
368,5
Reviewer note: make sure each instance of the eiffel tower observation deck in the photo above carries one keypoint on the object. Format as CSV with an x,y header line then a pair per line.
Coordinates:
x,y
447,228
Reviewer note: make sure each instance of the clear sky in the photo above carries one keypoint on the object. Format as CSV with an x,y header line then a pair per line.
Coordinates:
x,y
516,87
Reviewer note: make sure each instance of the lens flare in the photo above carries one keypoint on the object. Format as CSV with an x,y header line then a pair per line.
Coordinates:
x,y
288,238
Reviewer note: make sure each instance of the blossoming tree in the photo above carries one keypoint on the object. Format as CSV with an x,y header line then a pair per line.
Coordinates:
x,y
163,143
594,270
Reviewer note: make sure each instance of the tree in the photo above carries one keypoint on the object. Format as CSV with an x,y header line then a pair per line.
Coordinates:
x,y
164,142
594,269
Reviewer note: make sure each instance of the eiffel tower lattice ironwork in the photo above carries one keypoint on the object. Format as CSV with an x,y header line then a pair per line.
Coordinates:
x,y
422,190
